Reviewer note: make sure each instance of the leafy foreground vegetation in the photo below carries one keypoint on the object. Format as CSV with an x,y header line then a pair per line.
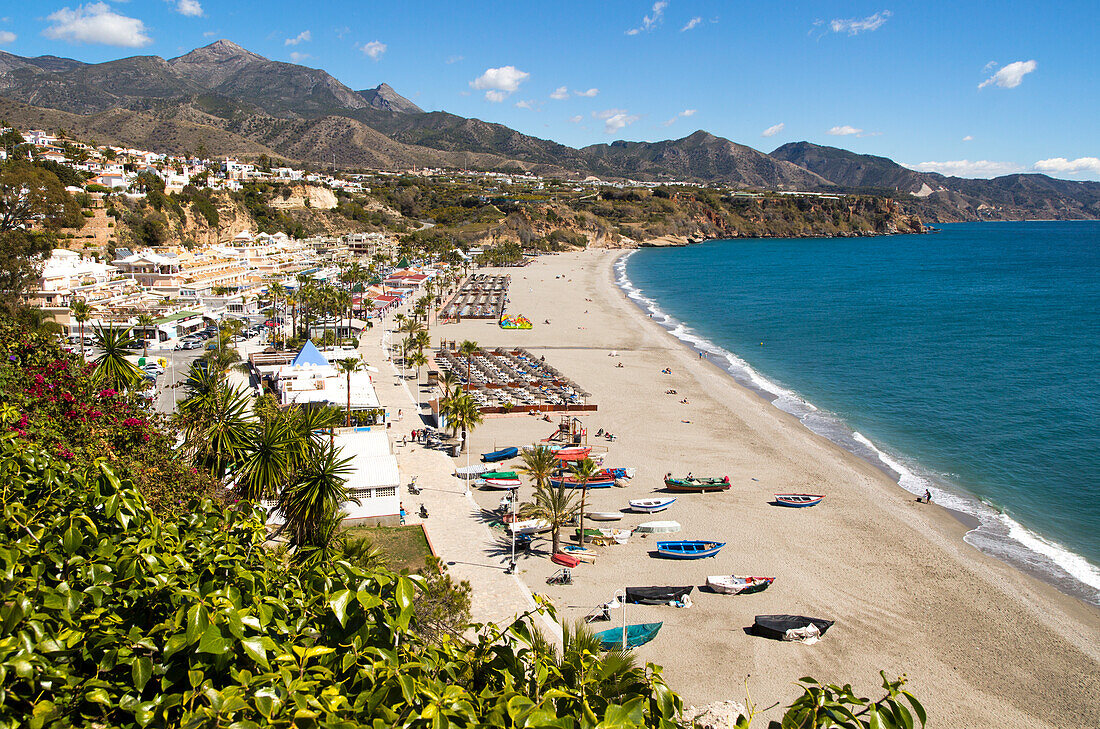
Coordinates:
x,y
117,612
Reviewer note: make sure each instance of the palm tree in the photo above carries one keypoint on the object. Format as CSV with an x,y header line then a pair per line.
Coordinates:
x,y
418,360
81,311
264,468
313,498
145,321
555,506
462,414
423,340
277,291
348,366
112,366
218,428
583,471
468,349
451,384
583,663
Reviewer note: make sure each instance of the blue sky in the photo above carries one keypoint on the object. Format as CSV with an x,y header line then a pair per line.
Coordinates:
x,y
966,87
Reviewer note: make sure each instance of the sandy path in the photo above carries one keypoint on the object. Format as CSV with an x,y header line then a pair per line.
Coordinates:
x,y
982,644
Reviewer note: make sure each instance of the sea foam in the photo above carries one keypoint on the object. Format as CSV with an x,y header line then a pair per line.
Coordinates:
x,y
997,534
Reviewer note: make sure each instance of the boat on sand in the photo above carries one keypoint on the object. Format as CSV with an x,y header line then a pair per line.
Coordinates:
x,y
636,635
798,501
736,585
649,506
502,455
657,595
603,515
791,627
698,484
689,549
658,527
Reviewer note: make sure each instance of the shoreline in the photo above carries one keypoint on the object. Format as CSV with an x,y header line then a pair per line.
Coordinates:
x,y
981,519
982,643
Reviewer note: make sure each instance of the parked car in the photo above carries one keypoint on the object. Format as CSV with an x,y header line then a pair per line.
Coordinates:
x,y
153,368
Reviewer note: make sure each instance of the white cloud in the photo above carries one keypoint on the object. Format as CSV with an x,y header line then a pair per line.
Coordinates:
x,y
190,8
844,130
684,113
855,26
1011,75
96,23
576,119
560,93
6,36
968,168
591,93
651,21
615,119
989,67
529,104
692,23
455,59
773,130
299,57
209,33
304,37
1069,166
499,83
968,138
374,49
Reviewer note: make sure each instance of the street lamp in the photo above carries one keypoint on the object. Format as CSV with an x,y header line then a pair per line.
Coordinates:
x,y
622,604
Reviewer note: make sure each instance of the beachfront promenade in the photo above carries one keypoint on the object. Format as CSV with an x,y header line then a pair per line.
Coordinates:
x,y
455,526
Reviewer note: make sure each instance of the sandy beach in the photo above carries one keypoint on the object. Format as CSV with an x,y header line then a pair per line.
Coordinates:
x,y
982,643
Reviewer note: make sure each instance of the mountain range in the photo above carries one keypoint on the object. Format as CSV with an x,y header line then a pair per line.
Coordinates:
x,y
229,100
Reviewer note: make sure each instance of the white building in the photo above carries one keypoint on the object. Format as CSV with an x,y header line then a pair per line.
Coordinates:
x,y
311,378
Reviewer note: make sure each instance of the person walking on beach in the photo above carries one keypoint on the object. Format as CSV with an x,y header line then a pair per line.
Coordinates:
x,y
927,496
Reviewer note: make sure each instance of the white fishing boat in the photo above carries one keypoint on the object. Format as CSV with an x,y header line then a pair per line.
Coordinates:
x,y
604,515
737,585
659,527
648,506
620,536
530,526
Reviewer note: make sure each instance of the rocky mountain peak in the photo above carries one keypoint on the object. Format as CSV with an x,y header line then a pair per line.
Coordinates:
x,y
385,98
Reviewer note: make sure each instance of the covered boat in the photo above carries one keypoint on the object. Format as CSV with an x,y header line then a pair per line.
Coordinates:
x,y
736,585
501,479
791,627
603,515
636,635
698,484
647,506
502,455
584,554
565,560
798,501
622,473
658,527
689,549
657,595
475,471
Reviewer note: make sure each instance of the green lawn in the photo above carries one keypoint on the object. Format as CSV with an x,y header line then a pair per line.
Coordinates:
x,y
405,547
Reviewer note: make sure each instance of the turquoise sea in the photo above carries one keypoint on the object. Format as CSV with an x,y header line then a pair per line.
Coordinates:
x,y
965,361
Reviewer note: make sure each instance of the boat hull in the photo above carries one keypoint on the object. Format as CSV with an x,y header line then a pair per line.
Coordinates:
x,y
571,483
689,549
603,516
502,455
636,635
798,501
657,595
734,585
650,506
565,560
697,485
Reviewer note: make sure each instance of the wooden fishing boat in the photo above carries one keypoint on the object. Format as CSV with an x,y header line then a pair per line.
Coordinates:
x,y
572,453
735,585
499,483
698,484
502,455
636,635
565,560
599,480
584,554
649,506
658,527
657,595
603,515
618,536
499,474
689,549
798,501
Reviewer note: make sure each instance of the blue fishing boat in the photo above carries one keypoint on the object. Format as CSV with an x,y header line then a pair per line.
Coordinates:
x,y
502,455
599,481
636,635
688,549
